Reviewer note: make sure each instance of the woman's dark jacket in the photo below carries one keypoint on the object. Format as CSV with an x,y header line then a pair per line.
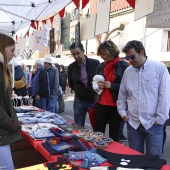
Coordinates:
x,y
19,73
120,68
9,125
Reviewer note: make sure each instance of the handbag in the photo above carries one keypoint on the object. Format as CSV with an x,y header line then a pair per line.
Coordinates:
x,y
20,83
91,116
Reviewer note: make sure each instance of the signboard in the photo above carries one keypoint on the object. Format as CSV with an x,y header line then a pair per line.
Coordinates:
x,y
88,25
103,17
21,43
52,40
141,12
65,30
45,35
160,18
38,40
77,34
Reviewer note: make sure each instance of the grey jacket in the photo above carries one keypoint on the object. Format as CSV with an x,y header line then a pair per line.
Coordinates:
x,y
9,125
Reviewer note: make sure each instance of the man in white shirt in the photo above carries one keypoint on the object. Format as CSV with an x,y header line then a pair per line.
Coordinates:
x,y
143,100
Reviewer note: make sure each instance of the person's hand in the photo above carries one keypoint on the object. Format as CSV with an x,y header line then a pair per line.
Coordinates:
x,y
37,97
107,84
101,85
156,123
125,118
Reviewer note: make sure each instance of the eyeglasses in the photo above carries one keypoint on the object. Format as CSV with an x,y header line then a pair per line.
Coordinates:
x,y
106,43
77,53
132,56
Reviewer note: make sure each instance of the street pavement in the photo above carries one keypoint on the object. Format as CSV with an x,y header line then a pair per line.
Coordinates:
x,y
68,115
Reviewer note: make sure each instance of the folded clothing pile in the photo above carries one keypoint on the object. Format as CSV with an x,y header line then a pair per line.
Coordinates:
x,y
63,145
89,158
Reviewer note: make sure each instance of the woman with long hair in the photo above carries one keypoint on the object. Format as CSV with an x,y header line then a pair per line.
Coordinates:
x,y
9,125
112,70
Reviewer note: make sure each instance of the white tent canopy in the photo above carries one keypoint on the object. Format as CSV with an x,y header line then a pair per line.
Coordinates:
x,y
16,15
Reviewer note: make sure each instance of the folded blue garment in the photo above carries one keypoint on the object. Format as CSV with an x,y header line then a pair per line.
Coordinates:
x,y
97,157
62,133
62,147
87,164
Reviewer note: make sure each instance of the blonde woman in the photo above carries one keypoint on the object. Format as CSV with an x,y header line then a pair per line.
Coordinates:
x,y
9,125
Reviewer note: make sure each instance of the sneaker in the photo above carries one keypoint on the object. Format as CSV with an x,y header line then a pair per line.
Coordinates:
x,y
122,138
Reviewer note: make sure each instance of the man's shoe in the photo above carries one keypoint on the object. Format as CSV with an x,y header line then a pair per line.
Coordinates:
x,y
60,111
122,138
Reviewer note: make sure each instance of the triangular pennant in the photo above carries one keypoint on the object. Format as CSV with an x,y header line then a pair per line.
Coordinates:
x,y
62,12
76,2
16,38
52,19
84,3
27,33
33,25
37,23
44,21
131,3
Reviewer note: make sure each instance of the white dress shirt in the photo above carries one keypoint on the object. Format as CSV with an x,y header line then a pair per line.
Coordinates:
x,y
144,94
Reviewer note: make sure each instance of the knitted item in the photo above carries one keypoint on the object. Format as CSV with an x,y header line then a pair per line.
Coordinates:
x,y
133,161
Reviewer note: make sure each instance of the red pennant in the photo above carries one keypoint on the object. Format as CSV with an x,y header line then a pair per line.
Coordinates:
x,y
62,12
44,21
16,37
131,3
27,33
37,23
52,19
84,3
33,25
76,2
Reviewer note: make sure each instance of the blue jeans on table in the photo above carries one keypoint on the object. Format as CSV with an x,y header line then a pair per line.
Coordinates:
x,y
52,104
80,110
42,103
152,136
6,162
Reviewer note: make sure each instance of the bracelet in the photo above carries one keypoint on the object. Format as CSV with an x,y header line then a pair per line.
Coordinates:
x,y
107,140
100,144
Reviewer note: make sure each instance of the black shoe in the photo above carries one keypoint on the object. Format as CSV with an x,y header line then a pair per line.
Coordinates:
x,y
122,138
60,111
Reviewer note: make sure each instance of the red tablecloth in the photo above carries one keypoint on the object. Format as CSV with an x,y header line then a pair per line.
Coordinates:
x,y
114,147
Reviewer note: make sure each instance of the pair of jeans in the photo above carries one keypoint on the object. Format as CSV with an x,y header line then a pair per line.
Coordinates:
x,y
80,111
6,162
121,128
42,103
61,104
52,104
153,138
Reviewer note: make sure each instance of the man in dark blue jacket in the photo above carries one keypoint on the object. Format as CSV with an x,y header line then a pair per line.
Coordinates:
x,y
80,77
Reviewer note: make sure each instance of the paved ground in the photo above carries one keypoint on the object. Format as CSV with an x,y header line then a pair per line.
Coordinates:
x,y
25,155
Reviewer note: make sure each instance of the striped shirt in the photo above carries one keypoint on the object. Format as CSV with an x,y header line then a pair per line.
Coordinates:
x,y
144,94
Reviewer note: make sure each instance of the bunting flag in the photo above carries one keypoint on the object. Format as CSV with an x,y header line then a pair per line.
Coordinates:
x,y
131,3
27,33
84,3
37,23
33,25
16,38
62,12
44,21
76,2
52,19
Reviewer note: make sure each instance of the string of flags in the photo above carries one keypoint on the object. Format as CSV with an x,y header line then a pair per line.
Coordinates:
x,y
35,23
